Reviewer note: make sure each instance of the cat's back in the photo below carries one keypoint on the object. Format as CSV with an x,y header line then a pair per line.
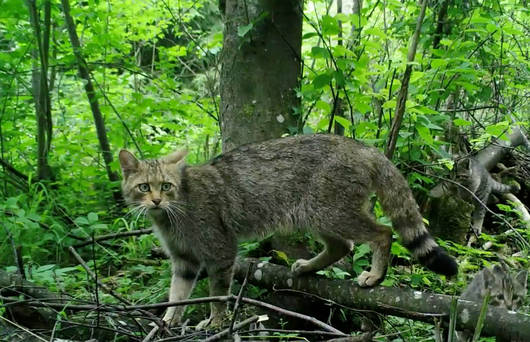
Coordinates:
x,y
303,152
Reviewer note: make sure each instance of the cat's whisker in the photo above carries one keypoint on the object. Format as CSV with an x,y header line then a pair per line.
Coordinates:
x,y
173,217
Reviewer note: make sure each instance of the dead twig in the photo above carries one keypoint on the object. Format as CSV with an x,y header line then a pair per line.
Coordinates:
x,y
229,330
114,236
151,334
238,299
254,302
110,291
94,276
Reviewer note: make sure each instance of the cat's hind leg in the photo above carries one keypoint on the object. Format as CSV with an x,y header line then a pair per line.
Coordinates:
x,y
379,237
334,249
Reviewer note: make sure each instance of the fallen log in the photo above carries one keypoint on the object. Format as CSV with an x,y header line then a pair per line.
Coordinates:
x,y
402,302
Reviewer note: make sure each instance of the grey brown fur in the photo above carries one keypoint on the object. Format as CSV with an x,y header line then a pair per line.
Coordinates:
x,y
319,183
475,177
506,290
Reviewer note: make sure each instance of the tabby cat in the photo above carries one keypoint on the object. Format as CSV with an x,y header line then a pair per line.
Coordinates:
x,y
319,183
471,174
506,291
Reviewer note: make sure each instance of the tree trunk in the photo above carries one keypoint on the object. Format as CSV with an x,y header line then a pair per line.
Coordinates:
x,y
261,66
403,92
92,98
40,87
441,23
400,302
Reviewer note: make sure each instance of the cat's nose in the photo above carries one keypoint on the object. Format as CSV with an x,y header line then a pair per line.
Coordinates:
x,y
156,201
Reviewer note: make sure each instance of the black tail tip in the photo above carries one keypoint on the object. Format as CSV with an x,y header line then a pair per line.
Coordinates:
x,y
438,261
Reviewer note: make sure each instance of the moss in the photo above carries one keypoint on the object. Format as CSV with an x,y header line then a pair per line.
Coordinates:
x,y
450,218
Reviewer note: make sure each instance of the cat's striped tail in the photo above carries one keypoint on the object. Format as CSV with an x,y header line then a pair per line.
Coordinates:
x,y
398,203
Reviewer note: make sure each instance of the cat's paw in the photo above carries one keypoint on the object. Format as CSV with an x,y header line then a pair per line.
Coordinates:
x,y
205,323
171,318
300,266
367,279
213,322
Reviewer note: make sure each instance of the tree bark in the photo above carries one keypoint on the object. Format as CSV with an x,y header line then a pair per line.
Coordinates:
x,y
261,66
400,302
441,23
92,98
403,92
492,155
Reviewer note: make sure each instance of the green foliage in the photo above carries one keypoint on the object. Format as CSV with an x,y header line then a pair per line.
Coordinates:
x,y
155,66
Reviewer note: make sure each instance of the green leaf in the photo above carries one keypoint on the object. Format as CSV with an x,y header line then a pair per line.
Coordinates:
x,y
389,104
425,134
92,217
319,52
343,121
309,35
498,129
81,221
361,251
491,28
342,17
446,42
330,26
436,63
99,226
321,80
340,50
376,32
416,75
461,122
323,105
243,30
339,77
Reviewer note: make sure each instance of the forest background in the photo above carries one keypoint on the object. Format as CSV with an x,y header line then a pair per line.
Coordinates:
x,y
426,82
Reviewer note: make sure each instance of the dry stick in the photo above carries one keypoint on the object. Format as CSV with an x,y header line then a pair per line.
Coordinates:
x,y
23,329
238,326
151,334
112,292
111,308
93,276
115,235
297,332
292,314
238,300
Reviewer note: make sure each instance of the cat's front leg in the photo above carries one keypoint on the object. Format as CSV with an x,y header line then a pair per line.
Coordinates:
x,y
220,278
184,273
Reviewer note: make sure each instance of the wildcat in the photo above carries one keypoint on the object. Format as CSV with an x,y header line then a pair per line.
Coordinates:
x,y
319,183
471,174
506,290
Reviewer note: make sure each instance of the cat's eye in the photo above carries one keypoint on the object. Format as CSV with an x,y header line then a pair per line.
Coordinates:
x,y
166,186
144,187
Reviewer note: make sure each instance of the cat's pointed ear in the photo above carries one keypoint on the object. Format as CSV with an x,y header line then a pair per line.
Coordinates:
x,y
522,278
174,157
128,163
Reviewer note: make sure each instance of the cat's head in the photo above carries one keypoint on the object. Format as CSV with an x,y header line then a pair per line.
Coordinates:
x,y
506,290
152,186
463,168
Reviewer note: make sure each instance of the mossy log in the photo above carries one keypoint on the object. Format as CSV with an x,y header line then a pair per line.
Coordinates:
x,y
504,324
449,218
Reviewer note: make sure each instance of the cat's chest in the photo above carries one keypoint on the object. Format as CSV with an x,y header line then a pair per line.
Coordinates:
x,y
173,239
